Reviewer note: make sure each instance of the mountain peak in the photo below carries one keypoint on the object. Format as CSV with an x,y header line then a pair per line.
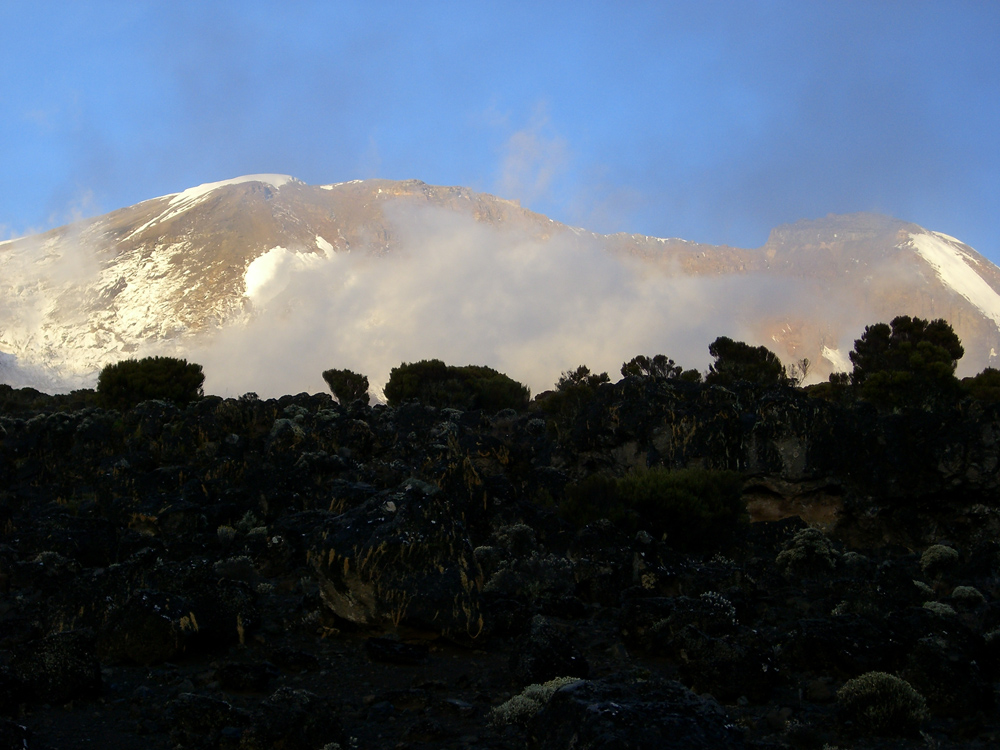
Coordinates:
x,y
267,281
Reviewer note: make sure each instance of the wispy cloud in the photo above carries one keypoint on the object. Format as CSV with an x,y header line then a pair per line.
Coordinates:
x,y
532,160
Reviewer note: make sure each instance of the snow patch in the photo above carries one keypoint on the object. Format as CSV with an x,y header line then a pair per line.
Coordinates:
x,y
323,245
268,274
192,195
948,237
950,263
836,358
181,202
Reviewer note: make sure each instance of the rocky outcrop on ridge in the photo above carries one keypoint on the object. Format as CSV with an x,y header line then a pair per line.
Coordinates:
x,y
299,573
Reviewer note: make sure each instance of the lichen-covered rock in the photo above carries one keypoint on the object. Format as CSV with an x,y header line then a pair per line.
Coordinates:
x,y
639,714
401,558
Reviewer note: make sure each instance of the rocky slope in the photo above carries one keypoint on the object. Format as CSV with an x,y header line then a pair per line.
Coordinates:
x,y
161,276
296,573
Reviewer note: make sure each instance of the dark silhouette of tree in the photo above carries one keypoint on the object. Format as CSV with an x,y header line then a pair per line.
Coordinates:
x,y
124,384
737,361
581,377
799,370
347,386
658,366
910,361
573,389
434,383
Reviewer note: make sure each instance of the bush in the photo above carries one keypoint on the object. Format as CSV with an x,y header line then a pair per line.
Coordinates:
x,y
124,384
696,509
520,709
881,703
809,553
937,558
347,386
434,383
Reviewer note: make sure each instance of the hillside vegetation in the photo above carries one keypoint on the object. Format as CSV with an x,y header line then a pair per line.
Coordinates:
x,y
745,564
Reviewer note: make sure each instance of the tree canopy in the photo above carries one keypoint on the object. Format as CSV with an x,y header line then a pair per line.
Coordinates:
x,y
434,383
908,361
347,386
658,366
126,383
737,361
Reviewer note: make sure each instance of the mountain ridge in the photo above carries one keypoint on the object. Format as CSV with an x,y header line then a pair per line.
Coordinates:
x,y
164,274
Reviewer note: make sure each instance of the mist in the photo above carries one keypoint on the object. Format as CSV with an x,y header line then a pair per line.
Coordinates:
x,y
470,293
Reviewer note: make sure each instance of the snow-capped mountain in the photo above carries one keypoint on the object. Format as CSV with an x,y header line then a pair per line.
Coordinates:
x,y
267,281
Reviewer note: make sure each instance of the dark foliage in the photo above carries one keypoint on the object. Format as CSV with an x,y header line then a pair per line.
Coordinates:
x,y
15,400
573,389
658,366
910,361
737,361
124,384
696,509
434,383
346,385
984,387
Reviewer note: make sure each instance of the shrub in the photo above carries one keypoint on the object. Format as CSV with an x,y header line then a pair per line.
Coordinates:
x,y
124,384
347,386
520,709
968,596
940,609
434,383
809,553
937,558
882,703
697,509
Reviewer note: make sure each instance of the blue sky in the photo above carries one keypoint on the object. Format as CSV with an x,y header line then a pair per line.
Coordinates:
x,y
711,121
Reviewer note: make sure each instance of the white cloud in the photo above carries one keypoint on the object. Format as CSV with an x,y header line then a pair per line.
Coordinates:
x,y
469,293
532,159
